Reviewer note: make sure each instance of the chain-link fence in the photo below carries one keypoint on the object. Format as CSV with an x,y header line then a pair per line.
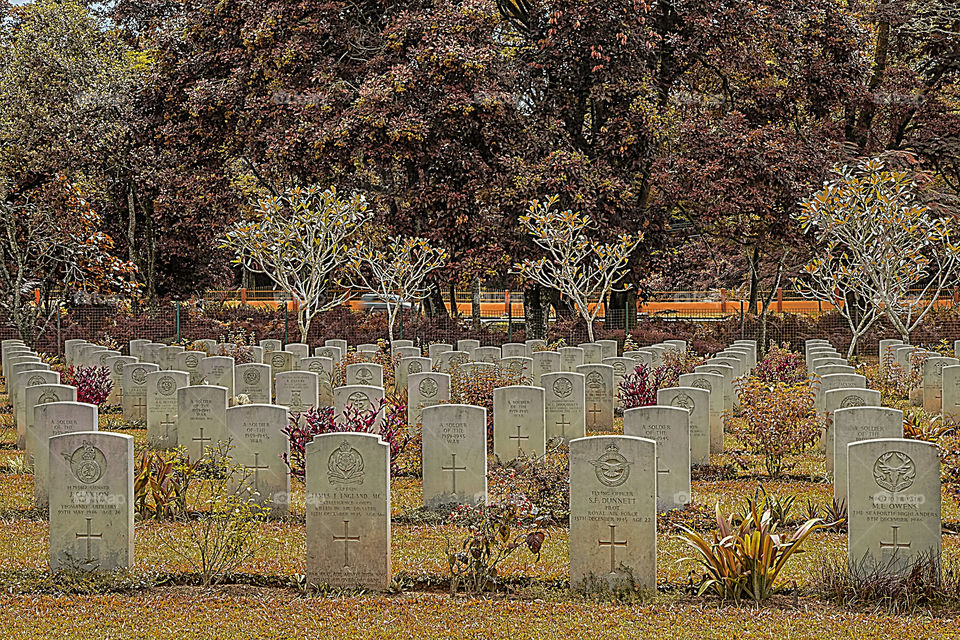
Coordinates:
x,y
236,321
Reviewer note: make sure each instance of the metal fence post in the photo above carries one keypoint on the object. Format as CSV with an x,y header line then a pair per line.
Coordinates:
x,y
506,299
178,321
285,303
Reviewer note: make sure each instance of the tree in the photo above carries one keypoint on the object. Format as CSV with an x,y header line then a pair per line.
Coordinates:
x,y
301,240
580,267
832,278
396,272
50,251
871,224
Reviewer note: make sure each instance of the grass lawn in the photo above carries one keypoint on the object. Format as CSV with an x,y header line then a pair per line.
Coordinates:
x,y
265,599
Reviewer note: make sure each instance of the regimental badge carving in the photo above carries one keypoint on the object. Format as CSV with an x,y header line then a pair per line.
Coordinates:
x,y
619,368
852,401
252,376
296,402
364,375
316,366
701,383
684,401
35,380
458,360
48,396
359,399
192,360
415,367
118,367
611,467
278,361
166,386
345,465
562,387
428,387
87,463
139,375
595,381
894,471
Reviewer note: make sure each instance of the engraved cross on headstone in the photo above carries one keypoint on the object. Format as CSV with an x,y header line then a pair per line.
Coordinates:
x,y
659,470
202,440
256,468
563,423
613,543
89,536
140,406
518,438
453,468
346,539
895,545
594,412
166,423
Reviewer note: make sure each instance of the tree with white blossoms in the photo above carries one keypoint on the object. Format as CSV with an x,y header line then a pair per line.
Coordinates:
x,y
302,240
887,248
395,271
578,266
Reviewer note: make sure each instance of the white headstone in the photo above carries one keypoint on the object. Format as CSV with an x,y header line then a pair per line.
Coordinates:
x,y
348,511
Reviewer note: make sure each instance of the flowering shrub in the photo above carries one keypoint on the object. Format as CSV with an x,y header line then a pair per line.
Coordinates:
x,y
477,388
93,383
240,353
543,482
775,421
316,421
677,364
781,365
493,533
892,381
639,388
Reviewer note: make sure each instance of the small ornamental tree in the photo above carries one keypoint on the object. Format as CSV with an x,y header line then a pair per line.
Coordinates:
x,y
396,271
881,248
301,240
575,264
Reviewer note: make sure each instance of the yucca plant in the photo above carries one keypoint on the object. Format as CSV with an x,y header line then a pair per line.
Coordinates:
x,y
743,561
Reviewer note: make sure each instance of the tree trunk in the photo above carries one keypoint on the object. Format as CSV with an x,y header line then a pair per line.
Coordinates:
x,y
623,309
753,260
303,322
475,304
533,311
452,290
391,319
433,304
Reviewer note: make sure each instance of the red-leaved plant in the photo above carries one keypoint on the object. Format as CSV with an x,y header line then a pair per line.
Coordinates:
x,y
93,383
639,388
781,365
317,421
